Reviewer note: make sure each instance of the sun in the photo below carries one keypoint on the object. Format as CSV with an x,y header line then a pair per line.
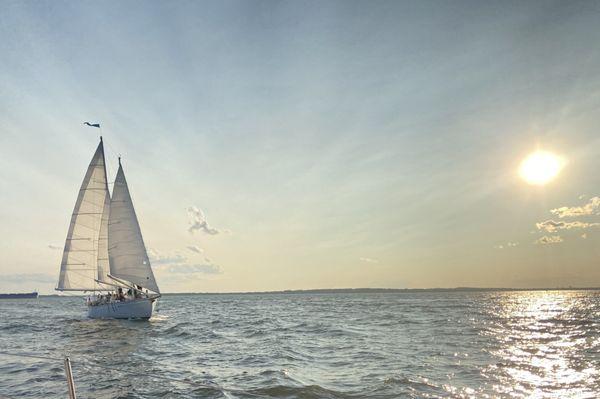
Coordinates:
x,y
540,167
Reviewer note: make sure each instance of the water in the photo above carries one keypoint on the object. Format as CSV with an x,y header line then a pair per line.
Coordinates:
x,y
412,345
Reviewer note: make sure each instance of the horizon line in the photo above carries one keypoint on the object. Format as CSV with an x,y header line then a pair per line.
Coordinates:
x,y
378,290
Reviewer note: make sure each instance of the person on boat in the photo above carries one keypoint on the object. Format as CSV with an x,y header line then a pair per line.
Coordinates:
x,y
120,294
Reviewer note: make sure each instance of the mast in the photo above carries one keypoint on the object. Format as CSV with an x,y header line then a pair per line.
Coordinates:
x,y
82,252
126,250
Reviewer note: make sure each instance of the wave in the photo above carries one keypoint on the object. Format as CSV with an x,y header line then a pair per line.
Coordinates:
x,y
304,392
311,347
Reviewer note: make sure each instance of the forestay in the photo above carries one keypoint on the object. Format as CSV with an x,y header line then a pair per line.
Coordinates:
x,y
127,253
84,256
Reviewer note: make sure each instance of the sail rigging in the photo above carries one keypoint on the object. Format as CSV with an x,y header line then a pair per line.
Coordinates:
x,y
127,253
84,248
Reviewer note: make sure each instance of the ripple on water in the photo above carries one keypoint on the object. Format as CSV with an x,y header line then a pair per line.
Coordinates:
x,y
494,344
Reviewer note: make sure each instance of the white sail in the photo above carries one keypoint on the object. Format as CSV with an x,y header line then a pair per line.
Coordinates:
x,y
79,266
127,253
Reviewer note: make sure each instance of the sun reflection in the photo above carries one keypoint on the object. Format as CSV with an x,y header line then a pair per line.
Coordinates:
x,y
541,347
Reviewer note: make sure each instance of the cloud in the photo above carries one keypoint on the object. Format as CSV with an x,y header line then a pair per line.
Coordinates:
x,y
552,226
198,222
591,208
549,240
204,268
195,248
156,258
368,260
178,264
509,244
55,247
549,225
28,278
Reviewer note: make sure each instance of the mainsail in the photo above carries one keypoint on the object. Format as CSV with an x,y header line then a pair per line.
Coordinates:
x,y
128,257
84,256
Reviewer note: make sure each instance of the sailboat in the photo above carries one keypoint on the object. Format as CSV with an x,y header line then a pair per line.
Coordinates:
x,y
104,251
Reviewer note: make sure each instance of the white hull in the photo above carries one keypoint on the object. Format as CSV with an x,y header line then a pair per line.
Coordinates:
x,y
132,309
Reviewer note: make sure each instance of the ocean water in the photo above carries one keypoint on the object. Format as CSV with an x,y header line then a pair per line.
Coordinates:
x,y
538,344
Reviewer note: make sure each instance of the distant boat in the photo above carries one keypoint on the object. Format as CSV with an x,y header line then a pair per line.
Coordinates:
x,y
104,251
24,295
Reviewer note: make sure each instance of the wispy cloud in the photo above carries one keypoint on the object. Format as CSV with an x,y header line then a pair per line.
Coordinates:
x,y
592,207
509,244
156,258
198,222
369,260
55,247
552,226
179,264
28,278
204,268
549,240
195,248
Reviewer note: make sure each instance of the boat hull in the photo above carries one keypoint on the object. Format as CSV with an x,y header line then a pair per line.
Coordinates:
x,y
133,309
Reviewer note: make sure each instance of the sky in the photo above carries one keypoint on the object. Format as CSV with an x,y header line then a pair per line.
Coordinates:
x,y
308,144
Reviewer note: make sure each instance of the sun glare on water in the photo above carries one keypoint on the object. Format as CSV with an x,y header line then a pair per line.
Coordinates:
x,y
540,167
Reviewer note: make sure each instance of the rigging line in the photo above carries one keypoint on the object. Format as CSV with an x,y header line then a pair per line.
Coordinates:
x,y
66,293
81,275
107,162
81,225
92,201
107,167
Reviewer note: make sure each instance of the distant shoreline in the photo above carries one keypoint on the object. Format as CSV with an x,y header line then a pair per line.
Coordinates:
x,y
377,291
387,290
